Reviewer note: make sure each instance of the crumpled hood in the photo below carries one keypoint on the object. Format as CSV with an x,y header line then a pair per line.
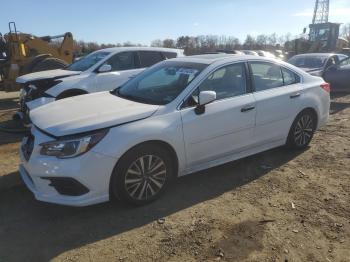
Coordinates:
x,y
57,73
87,113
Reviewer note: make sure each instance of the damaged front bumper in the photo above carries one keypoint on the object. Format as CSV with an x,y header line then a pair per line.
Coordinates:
x,y
26,107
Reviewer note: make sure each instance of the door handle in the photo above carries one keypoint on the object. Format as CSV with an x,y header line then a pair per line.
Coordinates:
x,y
295,95
247,108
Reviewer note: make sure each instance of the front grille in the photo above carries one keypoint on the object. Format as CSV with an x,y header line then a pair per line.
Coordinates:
x,y
28,146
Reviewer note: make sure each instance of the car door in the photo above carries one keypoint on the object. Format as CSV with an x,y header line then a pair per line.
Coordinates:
x,y
277,92
339,76
123,67
226,126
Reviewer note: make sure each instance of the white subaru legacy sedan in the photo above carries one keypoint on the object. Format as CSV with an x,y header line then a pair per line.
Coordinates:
x,y
179,116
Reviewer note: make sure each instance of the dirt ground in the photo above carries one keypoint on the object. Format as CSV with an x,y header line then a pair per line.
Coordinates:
x,y
274,206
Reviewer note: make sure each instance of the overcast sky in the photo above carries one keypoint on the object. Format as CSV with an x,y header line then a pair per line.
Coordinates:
x,y
112,21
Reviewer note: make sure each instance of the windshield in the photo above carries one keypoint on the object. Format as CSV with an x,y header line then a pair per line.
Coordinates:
x,y
161,84
308,61
88,61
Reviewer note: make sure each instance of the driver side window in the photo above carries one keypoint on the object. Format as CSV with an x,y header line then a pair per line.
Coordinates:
x,y
122,61
331,61
227,81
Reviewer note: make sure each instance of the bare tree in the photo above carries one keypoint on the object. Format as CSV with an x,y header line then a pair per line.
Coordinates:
x,y
346,32
250,42
272,39
157,43
169,43
261,41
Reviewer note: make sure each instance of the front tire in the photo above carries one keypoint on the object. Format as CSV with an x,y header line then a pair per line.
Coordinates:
x,y
302,130
142,174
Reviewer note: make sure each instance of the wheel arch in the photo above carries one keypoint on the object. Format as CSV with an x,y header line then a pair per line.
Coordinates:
x,y
161,143
71,92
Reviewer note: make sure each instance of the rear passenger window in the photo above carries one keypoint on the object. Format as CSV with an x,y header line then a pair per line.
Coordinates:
x,y
149,58
289,78
169,55
228,81
266,76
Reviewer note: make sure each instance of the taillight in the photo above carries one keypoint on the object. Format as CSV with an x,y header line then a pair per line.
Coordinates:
x,y
326,87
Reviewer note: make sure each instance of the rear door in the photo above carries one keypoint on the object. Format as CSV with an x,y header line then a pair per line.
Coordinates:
x,y
124,66
277,92
226,126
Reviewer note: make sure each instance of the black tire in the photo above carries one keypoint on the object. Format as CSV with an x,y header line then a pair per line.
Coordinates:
x,y
49,63
129,184
302,130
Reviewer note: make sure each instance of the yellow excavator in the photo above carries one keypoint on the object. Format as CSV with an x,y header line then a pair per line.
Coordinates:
x,y
22,53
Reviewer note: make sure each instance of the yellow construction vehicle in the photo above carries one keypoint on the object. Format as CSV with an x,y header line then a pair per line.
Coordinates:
x,y
22,53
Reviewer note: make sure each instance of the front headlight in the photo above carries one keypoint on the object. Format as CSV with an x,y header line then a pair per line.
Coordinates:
x,y
72,147
22,94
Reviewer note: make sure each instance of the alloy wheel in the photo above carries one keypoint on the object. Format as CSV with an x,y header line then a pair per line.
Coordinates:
x,y
303,130
145,177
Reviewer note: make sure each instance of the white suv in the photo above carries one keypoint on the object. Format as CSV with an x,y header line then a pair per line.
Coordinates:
x,y
101,70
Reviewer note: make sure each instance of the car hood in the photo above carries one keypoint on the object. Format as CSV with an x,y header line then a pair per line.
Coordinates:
x,y
87,113
57,73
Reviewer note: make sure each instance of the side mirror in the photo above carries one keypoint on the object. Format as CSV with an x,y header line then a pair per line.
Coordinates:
x,y
104,68
204,98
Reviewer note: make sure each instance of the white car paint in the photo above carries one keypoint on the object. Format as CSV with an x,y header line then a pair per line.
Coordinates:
x,y
88,81
221,134
91,116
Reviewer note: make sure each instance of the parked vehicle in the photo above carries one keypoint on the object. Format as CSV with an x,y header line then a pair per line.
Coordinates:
x,y
102,70
265,54
316,63
227,51
177,117
338,76
280,55
249,52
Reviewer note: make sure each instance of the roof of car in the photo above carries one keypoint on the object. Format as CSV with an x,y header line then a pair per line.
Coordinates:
x,y
318,54
211,58
140,48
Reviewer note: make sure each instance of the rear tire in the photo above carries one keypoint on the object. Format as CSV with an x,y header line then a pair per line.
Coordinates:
x,y
49,63
142,174
302,130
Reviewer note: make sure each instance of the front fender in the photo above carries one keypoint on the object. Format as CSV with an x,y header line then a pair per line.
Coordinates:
x,y
82,82
164,128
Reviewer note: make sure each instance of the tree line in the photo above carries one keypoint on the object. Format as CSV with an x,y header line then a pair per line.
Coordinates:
x,y
208,43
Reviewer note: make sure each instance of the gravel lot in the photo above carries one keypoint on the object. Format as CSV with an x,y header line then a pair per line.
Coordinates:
x,y
274,206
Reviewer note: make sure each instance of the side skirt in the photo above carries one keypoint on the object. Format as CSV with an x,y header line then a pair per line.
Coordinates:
x,y
236,156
